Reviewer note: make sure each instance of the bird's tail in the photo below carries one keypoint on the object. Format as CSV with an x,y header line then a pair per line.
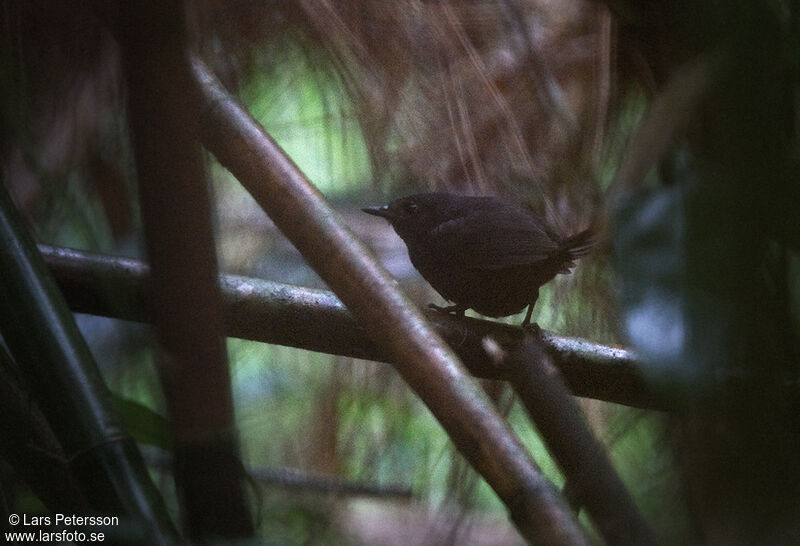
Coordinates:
x,y
579,244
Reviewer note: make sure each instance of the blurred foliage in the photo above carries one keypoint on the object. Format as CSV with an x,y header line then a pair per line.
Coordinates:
x,y
306,113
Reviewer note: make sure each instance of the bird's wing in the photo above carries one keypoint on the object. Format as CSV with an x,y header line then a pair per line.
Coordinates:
x,y
492,240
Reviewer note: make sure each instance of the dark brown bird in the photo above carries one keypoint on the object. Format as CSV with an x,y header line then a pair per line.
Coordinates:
x,y
481,253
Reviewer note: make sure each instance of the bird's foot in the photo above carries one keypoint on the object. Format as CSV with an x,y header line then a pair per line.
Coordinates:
x,y
532,328
527,325
457,310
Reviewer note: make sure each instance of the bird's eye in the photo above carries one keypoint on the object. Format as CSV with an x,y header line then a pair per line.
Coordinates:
x,y
410,207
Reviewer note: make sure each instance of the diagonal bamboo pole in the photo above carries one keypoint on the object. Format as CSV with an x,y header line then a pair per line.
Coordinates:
x,y
417,352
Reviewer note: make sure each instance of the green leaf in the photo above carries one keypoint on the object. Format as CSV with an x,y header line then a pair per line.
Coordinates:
x,y
142,423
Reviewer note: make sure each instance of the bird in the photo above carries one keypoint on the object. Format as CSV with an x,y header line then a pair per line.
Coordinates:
x,y
482,252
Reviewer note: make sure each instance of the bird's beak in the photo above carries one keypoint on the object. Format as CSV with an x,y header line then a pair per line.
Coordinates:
x,y
383,211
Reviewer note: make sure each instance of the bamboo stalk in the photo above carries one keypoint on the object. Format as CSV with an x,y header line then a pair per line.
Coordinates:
x,y
58,367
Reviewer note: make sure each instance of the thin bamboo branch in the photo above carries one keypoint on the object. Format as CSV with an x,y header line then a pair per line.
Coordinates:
x,y
390,320
300,480
303,481
316,320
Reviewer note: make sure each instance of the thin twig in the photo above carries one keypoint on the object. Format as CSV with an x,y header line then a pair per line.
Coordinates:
x,y
299,480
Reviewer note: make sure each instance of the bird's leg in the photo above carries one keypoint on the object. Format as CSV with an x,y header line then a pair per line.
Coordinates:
x,y
526,322
457,309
